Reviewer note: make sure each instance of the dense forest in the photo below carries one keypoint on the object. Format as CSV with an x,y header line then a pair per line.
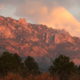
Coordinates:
x,y
13,67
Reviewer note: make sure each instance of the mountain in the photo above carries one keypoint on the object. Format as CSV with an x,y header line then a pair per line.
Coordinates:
x,y
39,41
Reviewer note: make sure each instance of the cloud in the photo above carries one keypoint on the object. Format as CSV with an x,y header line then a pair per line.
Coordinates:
x,y
69,4
65,3
55,16
1,6
49,12
11,2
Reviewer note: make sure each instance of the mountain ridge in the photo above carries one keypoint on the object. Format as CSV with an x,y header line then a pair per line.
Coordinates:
x,y
36,40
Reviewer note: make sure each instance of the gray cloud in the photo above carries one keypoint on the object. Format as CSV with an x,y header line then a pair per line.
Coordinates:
x,y
66,3
71,5
42,11
49,3
11,1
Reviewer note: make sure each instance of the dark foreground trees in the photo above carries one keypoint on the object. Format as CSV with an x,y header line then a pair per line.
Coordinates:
x,y
31,66
14,64
9,63
63,67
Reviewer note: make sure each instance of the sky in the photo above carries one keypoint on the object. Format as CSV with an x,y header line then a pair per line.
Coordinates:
x,y
59,14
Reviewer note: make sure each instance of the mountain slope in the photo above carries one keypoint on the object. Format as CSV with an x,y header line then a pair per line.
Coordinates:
x,y
35,40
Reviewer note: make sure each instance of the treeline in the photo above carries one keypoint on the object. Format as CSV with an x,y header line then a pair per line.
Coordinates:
x,y
13,67
13,63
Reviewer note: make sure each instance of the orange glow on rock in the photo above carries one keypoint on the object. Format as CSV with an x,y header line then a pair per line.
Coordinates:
x,y
60,18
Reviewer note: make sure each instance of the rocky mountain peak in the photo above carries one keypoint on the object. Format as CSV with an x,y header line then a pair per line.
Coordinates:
x,y
22,21
37,40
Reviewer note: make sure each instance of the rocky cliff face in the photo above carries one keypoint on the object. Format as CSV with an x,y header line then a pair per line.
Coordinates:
x,y
39,41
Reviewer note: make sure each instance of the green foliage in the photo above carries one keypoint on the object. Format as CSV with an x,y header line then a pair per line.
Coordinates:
x,y
9,63
13,63
31,65
63,67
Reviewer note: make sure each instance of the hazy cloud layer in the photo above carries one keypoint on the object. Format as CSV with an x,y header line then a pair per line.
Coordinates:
x,y
1,6
45,12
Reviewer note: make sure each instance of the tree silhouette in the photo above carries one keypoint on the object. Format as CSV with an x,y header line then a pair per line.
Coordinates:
x,y
31,65
63,67
9,63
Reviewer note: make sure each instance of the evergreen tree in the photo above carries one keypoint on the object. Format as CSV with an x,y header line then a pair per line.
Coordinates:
x,y
63,67
31,66
9,63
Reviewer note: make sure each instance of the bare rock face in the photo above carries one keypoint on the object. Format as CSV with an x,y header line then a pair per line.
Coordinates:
x,y
39,41
22,21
